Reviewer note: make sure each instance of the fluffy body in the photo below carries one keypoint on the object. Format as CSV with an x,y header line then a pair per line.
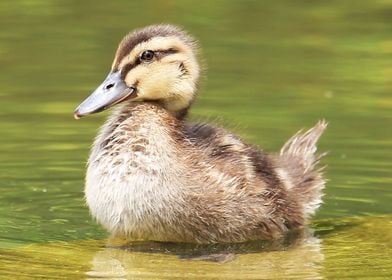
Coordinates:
x,y
153,176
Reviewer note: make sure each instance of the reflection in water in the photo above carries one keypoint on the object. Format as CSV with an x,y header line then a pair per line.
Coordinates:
x,y
298,255
333,254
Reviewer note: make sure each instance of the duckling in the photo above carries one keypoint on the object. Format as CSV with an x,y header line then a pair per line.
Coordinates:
x,y
153,176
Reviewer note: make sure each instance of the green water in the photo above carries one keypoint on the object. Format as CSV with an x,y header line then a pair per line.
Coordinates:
x,y
273,67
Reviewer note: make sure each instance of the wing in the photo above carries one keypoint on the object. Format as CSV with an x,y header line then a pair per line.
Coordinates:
x,y
230,154
215,141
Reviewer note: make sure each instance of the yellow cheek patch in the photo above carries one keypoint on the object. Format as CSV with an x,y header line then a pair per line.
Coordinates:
x,y
153,81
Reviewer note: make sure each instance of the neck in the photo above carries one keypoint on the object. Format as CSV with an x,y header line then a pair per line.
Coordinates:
x,y
177,107
179,112
132,120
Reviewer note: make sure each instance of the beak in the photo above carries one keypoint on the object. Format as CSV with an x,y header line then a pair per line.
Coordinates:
x,y
113,90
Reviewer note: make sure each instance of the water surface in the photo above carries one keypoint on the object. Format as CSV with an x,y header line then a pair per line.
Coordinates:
x,y
273,68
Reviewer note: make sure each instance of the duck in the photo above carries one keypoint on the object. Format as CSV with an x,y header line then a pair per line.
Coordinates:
x,y
154,176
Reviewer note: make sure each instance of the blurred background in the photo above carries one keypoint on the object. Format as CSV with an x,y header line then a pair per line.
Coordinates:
x,y
271,68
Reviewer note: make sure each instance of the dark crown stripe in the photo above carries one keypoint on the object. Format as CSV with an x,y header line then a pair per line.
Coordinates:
x,y
140,36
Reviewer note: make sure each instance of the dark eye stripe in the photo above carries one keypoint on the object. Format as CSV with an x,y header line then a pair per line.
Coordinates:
x,y
168,51
162,53
129,67
159,55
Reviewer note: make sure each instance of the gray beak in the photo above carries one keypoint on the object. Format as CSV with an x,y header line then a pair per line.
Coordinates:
x,y
113,90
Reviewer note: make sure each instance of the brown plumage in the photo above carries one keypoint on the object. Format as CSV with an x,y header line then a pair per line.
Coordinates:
x,y
153,176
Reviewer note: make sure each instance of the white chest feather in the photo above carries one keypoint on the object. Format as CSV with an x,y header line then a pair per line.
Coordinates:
x,y
130,180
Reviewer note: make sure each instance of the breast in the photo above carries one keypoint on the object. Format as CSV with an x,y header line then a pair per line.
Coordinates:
x,y
130,180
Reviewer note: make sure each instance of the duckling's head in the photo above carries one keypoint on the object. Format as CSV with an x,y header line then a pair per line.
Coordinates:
x,y
156,63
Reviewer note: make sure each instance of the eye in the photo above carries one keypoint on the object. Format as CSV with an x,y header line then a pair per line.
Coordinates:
x,y
147,55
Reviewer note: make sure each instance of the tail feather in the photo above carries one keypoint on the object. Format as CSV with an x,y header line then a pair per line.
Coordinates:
x,y
298,158
303,146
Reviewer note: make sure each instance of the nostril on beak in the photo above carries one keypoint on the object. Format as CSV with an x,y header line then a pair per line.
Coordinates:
x,y
109,86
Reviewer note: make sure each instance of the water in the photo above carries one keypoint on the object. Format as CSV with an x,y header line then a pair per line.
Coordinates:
x,y
272,68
